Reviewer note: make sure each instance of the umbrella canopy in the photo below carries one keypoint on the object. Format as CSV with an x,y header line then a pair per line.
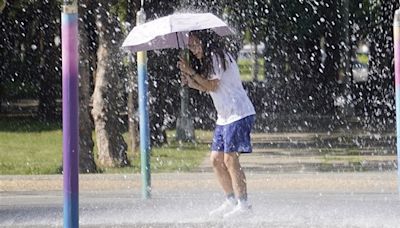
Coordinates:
x,y
172,31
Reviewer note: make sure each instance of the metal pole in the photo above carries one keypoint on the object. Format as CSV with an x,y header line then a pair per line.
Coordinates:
x,y
143,114
70,64
396,38
184,123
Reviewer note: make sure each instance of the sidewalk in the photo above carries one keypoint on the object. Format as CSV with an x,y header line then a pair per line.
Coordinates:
x,y
184,199
294,180
347,182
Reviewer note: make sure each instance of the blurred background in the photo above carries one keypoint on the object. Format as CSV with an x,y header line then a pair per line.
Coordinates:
x,y
312,67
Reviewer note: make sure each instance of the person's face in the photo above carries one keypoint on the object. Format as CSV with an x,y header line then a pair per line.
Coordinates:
x,y
195,46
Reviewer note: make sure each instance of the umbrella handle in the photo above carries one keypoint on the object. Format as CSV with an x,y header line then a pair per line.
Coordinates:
x,y
184,54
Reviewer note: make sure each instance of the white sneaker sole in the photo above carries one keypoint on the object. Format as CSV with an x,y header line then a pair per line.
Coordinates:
x,y
238,214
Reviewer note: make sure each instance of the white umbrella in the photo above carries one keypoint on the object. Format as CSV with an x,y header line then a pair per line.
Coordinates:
x,y
172,31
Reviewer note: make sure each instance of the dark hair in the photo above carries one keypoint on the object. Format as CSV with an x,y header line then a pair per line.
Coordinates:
x,y
212,44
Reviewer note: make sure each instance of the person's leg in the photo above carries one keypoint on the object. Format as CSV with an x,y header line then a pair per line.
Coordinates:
x,y
220,170
217,161
222,174
224,179
236,141
231,161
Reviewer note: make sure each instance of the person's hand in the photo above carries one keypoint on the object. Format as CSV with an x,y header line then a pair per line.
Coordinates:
x,y
184,66
184,79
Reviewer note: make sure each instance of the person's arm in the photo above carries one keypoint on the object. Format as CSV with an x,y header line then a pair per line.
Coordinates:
x,y
187,80
194,85
208,85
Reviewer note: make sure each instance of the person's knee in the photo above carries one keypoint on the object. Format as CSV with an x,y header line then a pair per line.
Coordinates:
x,y
217,159
231,161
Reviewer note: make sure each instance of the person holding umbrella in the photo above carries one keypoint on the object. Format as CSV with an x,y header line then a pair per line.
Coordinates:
x,y
213,69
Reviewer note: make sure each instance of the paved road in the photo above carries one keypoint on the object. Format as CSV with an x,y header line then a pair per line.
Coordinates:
x,y
367,199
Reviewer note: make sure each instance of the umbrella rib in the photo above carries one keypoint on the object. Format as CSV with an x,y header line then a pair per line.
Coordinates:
x,y
177,39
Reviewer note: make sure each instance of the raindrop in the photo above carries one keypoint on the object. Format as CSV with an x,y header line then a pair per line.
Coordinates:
x,y
57,40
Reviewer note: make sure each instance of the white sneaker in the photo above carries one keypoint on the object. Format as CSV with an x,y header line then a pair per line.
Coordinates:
x,y
228,205
237,212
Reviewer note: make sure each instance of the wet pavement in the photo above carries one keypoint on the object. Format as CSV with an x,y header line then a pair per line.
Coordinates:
x,y
294,180
346,199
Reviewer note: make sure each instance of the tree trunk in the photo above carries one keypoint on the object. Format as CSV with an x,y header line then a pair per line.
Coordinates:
x,y
86,156
133,128
110,143
159,72
332,62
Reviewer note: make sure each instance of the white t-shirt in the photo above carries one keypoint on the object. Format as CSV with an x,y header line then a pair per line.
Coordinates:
x,y
230,99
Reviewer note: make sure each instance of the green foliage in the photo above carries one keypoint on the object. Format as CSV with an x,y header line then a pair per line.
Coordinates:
x,y
245,66
173,157
2,5
120,9
360,11
28,146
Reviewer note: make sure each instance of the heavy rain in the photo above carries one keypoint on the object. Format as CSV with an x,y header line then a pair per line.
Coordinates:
x,y
113,134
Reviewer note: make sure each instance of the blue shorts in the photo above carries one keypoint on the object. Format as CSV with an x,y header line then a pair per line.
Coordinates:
x,y
233,137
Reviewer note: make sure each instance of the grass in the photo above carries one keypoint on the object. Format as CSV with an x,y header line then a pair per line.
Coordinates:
x,y
30,147
37,152
173,157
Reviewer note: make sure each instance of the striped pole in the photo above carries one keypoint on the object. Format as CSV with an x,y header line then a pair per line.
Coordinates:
x,y
70,62
396,36
143,114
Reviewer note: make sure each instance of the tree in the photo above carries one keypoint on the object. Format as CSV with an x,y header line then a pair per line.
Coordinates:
x,y
162,73
20,50
86,156
249,16
130,9
49,60
3,4
110,143
380,87
292,57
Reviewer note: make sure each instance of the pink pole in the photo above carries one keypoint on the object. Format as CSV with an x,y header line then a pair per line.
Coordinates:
x,y
70,108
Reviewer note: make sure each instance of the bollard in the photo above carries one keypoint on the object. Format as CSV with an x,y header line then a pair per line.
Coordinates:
x,y
396,39
70,108
143,114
